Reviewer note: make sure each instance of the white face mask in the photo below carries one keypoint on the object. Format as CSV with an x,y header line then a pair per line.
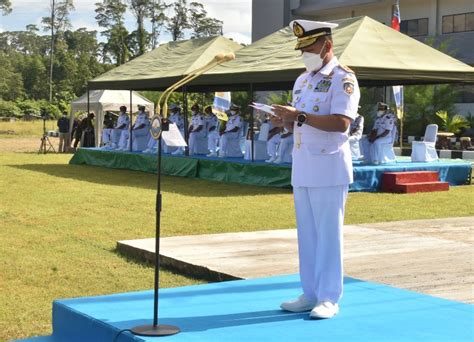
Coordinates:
x,y
313,61
193,112
380,113
233,112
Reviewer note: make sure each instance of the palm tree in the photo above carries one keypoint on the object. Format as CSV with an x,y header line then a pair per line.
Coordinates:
x,y
451,123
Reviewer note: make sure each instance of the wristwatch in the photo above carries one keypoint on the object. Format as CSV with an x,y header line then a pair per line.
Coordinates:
x,y
301,118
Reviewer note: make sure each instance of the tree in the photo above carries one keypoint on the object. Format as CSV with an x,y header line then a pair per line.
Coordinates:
x,y
423,101
179,22
11,83
201,24
5,6
140,10
110,15
157,18
57,22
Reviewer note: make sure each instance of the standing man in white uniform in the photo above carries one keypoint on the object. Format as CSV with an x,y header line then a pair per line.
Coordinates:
x,y
212,127
123,123
325,101
229,143
197,132
273,140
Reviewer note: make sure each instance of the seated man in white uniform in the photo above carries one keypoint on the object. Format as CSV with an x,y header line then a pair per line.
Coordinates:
x,y
212,128
177,118
273,141
355,134
123,124
285,147
378,146
229,143
140,133
197,132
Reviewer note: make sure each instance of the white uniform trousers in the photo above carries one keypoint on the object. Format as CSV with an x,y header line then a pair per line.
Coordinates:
x,y
212,140
116,135
284,150
229,145
106,136
319,218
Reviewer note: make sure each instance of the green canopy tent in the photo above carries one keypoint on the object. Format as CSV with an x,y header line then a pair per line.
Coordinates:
x,y
378,54
165,65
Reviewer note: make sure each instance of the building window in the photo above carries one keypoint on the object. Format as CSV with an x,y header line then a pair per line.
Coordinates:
x,y
415,27
458,23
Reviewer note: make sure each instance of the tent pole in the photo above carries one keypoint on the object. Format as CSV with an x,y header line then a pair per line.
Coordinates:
x,y
88,107
131,119
251,124
185,110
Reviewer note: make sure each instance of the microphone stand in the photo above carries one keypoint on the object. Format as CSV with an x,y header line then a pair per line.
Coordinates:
x,y
156,329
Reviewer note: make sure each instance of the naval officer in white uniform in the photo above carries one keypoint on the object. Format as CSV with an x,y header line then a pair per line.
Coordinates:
x,y
325,101
123,124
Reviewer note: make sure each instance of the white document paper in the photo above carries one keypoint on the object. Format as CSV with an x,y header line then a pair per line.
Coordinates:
x,y
173,137
263,107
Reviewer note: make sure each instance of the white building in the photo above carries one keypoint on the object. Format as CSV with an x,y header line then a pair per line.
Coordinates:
x,y
450,21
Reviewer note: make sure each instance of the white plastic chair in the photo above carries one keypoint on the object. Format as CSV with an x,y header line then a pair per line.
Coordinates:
x,y
425,151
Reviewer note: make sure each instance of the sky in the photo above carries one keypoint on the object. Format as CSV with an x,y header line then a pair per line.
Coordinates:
x,y
236,15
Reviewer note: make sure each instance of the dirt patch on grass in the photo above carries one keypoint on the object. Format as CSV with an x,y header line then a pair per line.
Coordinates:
x,y
24,144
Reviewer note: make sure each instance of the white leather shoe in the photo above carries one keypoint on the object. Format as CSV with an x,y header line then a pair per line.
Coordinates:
x,y
299,305
270,160
324,310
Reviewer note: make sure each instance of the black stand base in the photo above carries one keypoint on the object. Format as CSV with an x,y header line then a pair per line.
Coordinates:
x,y
155,330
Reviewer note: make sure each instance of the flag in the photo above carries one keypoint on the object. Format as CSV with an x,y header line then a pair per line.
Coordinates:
x,y
396,19
221,104
398,96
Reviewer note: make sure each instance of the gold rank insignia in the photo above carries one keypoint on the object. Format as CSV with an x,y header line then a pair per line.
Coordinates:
x,y
298,30
346,68
348,88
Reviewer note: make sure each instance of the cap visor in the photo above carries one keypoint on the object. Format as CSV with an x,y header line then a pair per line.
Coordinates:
x,y
305,43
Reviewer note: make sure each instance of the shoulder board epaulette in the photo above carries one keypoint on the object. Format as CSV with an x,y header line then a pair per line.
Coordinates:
x,y
346,68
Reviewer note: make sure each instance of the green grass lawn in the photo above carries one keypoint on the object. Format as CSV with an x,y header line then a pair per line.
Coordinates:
x,y
59,224
25,129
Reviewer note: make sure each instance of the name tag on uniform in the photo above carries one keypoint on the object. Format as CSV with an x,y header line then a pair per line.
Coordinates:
x,y
298,91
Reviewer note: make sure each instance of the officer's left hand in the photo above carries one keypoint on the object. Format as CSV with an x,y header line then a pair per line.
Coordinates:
x,y
286,113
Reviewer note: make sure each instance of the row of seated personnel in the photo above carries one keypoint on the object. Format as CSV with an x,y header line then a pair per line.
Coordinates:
x,y
205,136
271,144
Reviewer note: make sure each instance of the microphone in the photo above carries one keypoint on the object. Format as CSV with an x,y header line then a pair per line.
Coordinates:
x,y
218,59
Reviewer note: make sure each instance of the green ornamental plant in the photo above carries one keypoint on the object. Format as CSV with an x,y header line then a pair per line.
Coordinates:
x,y
451,123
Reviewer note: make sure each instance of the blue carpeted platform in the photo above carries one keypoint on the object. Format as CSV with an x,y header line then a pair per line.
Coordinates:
x,y
238,170
247,310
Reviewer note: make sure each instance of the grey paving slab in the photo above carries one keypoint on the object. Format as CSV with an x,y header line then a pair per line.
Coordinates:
x,y
401,254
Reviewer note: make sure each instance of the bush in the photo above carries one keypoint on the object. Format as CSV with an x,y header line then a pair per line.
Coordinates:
x,y
9,109
49,109
29,107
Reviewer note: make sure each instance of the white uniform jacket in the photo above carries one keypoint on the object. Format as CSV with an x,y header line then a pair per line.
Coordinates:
x,y
320,158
